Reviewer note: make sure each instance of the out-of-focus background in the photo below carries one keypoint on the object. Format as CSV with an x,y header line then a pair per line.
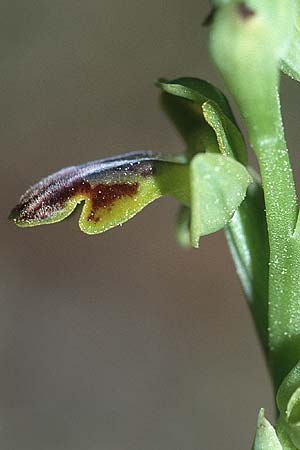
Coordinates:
x,y
121,341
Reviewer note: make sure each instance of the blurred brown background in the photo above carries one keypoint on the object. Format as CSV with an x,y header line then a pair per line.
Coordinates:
x,y
122,341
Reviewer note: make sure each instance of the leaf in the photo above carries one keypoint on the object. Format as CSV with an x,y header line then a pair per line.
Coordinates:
x,y
266,437
218,186
203,103
113,190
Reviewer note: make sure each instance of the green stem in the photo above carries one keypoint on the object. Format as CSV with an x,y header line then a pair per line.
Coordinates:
x,y
247,50
267,139
250,70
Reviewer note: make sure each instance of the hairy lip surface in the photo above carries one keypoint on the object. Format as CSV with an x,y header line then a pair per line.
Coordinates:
x,y
100,195
101,182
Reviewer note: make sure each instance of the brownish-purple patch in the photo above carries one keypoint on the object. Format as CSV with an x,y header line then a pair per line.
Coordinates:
x,y
53,200
105,195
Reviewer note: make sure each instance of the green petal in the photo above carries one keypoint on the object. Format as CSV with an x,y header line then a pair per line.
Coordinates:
x,y
229,137
113,190
218,186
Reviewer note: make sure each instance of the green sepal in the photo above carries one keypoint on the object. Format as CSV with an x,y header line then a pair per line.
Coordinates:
x,y
196,90
266,437
204,105
218,186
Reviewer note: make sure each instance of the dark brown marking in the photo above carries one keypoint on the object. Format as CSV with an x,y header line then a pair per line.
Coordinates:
x,y
101,196
244,11
105,195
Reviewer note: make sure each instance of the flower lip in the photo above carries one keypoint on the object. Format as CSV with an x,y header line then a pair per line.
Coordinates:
x,y
101,182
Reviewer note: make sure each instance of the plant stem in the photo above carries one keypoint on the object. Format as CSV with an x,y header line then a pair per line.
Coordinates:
x,y
268,141
247,51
